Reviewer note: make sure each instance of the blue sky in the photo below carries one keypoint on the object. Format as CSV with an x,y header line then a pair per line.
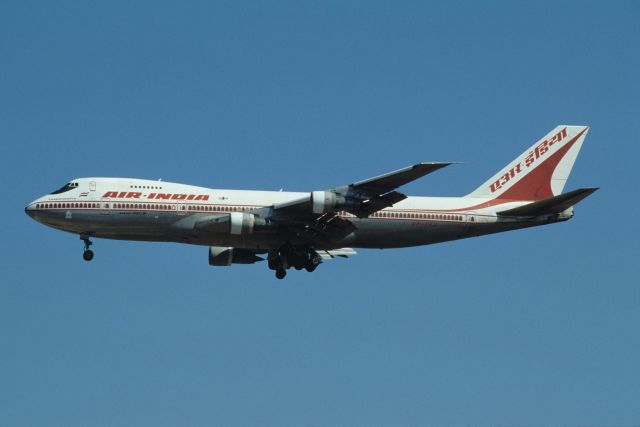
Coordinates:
x,y
535,327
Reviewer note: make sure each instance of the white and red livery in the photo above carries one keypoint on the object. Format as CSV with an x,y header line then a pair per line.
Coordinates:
x,y
300,229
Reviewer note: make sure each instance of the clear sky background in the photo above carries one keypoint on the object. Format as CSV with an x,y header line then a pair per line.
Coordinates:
x,y
534,327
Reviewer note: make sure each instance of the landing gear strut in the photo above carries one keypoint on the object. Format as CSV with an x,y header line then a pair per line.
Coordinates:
x,y
298,258
87,255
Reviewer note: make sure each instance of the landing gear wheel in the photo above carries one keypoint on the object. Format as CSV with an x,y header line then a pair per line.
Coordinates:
x,y
313,263
280,273
87,255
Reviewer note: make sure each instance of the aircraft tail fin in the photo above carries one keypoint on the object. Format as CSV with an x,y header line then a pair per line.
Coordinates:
x,y
540,172
552,205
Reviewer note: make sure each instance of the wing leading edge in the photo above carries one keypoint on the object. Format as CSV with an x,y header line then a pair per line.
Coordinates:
x,y
365,197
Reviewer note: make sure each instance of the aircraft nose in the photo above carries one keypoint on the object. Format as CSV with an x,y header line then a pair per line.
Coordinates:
x,y
30,209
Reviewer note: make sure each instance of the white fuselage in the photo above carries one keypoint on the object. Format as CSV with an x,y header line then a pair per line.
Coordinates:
x,y
139,209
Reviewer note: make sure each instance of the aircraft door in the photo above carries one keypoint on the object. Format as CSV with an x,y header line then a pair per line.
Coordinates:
x,y
470,221
92,186
181,208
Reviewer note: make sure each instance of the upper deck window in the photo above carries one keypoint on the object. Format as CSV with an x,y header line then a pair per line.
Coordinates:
x,y
67,187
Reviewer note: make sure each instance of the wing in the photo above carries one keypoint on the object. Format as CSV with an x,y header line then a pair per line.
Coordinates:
x,y
365,197
314,216
378,193
392,180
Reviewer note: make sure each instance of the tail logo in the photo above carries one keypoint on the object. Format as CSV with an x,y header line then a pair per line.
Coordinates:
x,y
530,161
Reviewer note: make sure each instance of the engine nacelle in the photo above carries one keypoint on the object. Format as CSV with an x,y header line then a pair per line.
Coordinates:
x,y
325,201
242,223
224,256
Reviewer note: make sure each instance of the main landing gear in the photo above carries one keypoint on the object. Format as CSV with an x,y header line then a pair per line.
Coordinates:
x,y
87,255
298,258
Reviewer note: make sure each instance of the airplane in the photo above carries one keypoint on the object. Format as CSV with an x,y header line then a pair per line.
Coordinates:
x,y
303,229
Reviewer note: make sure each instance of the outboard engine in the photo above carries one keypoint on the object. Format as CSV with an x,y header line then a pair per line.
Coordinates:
x,y
326,201
225,256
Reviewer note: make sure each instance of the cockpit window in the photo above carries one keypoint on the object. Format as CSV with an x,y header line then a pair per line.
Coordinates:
x,y
65,188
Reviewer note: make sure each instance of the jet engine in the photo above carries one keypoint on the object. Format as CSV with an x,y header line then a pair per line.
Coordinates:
x,y
224,256
326,201
236,223
242,223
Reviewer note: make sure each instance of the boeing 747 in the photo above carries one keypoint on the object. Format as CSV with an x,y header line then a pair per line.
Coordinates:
x,y
302,229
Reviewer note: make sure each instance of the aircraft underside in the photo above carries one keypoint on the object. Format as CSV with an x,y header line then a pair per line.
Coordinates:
x,y
369,233
283,250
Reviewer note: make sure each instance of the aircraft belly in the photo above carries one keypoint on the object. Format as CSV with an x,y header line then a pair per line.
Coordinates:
x,y
131,225
177,227
403,233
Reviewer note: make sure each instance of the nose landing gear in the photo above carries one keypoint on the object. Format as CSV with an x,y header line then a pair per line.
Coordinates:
x,y
87,255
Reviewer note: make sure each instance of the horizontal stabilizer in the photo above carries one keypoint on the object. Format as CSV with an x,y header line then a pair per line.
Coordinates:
x,y
552,205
